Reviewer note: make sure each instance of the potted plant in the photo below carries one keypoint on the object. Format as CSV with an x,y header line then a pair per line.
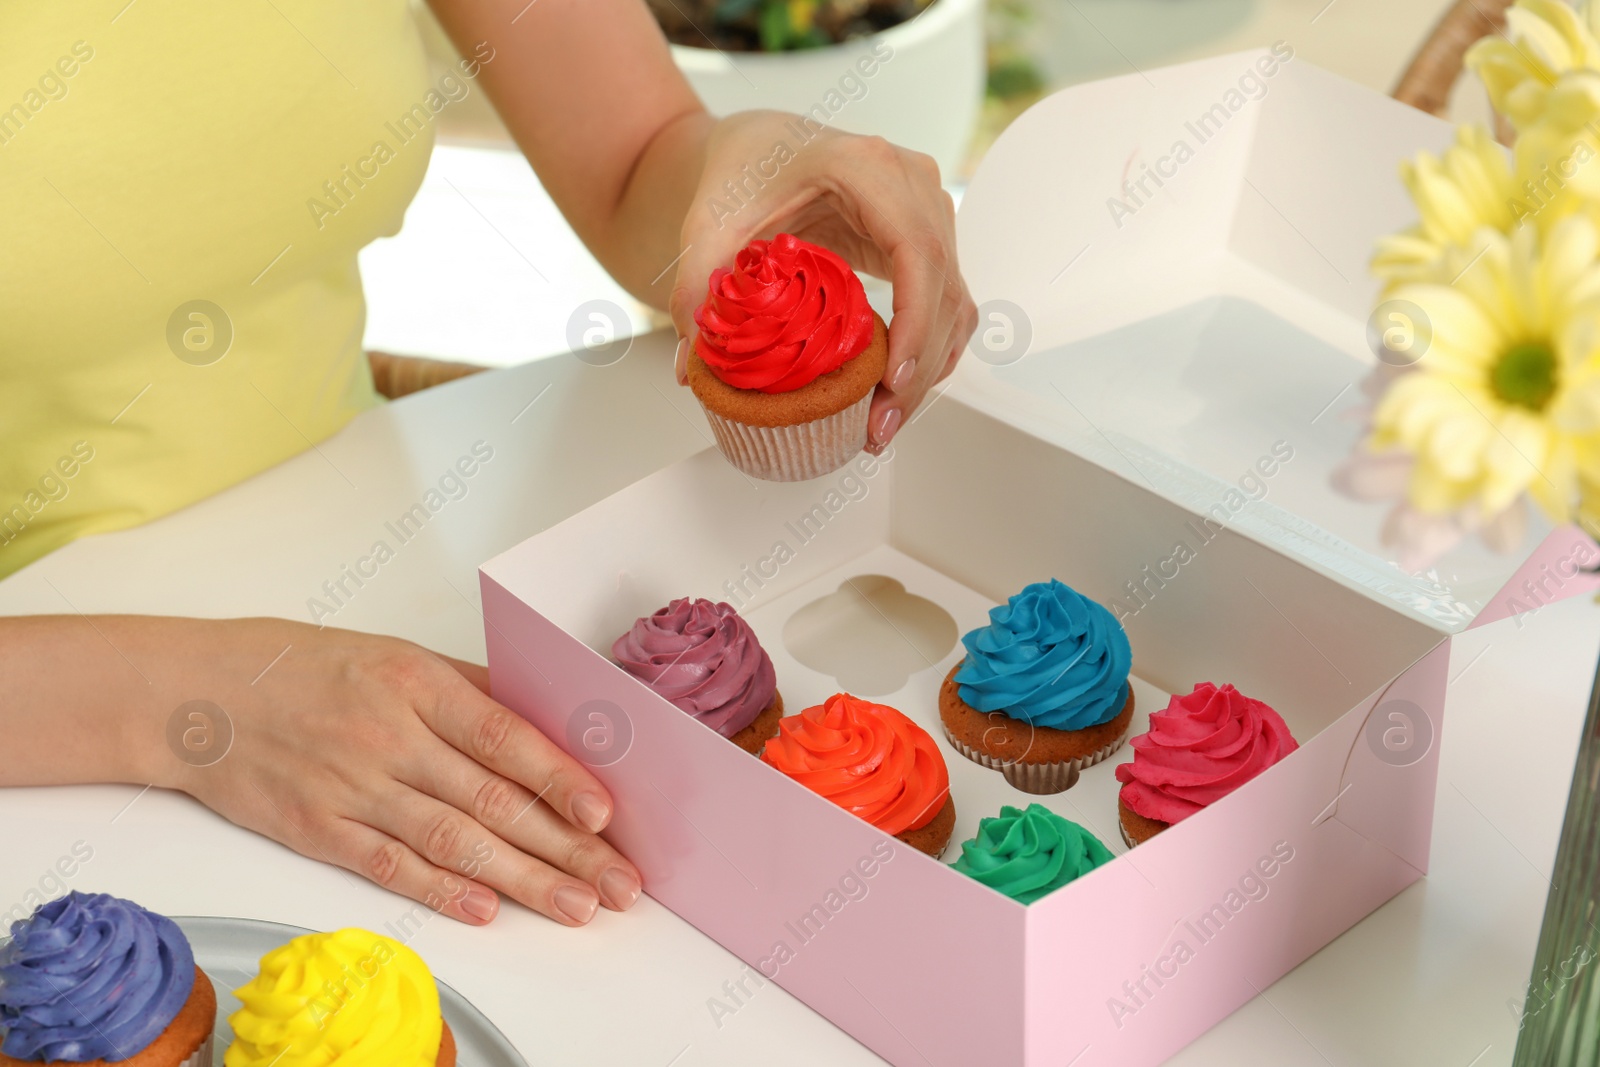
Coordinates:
x,y
909,70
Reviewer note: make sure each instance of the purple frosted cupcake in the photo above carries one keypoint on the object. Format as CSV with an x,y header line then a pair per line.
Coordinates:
x,y
706,660
91,979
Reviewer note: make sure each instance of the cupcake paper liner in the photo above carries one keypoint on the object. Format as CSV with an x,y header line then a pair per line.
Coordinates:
x,y
793,453
202,1056
1123,830
1038,778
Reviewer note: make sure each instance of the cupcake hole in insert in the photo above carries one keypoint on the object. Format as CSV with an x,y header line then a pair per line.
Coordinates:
x,y
870,635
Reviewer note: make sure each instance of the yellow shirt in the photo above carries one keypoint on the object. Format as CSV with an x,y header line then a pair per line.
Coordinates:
x,y
184,186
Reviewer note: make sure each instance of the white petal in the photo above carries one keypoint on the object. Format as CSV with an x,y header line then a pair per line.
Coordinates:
x,y
1421,539
1373,475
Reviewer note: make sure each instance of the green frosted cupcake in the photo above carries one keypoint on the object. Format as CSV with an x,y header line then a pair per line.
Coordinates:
x,y
1027,854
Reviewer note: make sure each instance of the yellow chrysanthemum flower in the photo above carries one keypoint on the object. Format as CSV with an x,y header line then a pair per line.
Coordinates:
x,y
1470,188
1544,39
1506,399
1555,173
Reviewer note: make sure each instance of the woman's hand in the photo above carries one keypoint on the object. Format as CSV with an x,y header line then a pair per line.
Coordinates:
x,y
363,751
393,762
638,168
879,206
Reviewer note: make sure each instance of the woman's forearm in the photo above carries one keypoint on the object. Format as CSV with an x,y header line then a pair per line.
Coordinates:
x,y
644,235
356,749
589,91
90,698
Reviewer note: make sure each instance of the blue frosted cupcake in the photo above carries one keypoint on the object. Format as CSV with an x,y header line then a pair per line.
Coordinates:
x,y
91,979
1043,690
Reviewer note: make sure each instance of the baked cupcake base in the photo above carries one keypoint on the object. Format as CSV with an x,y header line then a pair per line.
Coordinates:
x,y
1034,759
1136,829
934,837
762,728
189,1032
801,434
447,1047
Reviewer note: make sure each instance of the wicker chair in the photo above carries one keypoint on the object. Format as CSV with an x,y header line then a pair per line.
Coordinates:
x,y
398,376
1427,82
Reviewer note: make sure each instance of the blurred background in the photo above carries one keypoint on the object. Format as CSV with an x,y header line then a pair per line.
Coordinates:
x,y
483,241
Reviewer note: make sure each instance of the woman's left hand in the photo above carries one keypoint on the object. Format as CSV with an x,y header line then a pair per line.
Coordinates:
x,y
877,205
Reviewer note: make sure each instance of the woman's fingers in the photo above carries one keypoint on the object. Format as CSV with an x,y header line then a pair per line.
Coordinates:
x,y
448,838
518,817
551,838
879,206
501,740
705,248
395,866
472,672
897,197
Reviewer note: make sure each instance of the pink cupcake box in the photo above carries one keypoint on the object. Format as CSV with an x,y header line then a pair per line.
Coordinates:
x,y
1162,442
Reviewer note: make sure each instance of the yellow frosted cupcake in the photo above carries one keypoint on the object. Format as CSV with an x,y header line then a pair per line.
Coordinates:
x,y
351,998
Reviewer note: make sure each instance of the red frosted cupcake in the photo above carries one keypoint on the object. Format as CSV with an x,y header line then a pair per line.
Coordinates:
x,y
873,762
1199,749
786,360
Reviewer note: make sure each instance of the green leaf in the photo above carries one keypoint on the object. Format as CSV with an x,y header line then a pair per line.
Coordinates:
x,y
732,10
1014,77
775,29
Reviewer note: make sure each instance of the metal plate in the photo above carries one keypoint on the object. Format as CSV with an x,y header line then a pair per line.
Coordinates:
x,y
230,951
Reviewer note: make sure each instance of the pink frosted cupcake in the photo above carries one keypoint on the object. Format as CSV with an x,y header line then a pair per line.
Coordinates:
x,y
1199,749
786,361
706,661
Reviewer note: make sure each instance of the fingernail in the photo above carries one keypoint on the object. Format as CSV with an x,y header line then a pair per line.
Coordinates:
x,y
591,812
480,903
885,424
903,376
576,904
619,889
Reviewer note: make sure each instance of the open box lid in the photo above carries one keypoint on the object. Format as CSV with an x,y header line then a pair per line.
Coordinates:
x,y
1172,272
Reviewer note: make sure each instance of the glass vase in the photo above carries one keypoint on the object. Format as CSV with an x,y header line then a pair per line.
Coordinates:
x,y
1559,1014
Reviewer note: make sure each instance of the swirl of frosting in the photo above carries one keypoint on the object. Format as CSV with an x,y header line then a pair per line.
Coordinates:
x,y
91,977
1199,749
867,758
1050,657
788,312
351,998
703,658
1026,854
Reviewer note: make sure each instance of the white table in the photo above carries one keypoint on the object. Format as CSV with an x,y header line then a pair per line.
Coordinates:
x,y
1423,981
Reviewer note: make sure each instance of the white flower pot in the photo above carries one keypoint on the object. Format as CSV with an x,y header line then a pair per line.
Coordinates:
x,y
923,91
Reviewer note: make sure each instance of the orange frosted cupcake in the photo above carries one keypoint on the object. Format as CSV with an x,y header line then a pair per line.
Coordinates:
x,y
786,360
873,762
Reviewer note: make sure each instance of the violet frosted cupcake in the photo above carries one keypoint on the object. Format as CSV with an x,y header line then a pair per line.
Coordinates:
x,y
93,979
1200,748
705,660
786,360
1043,691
